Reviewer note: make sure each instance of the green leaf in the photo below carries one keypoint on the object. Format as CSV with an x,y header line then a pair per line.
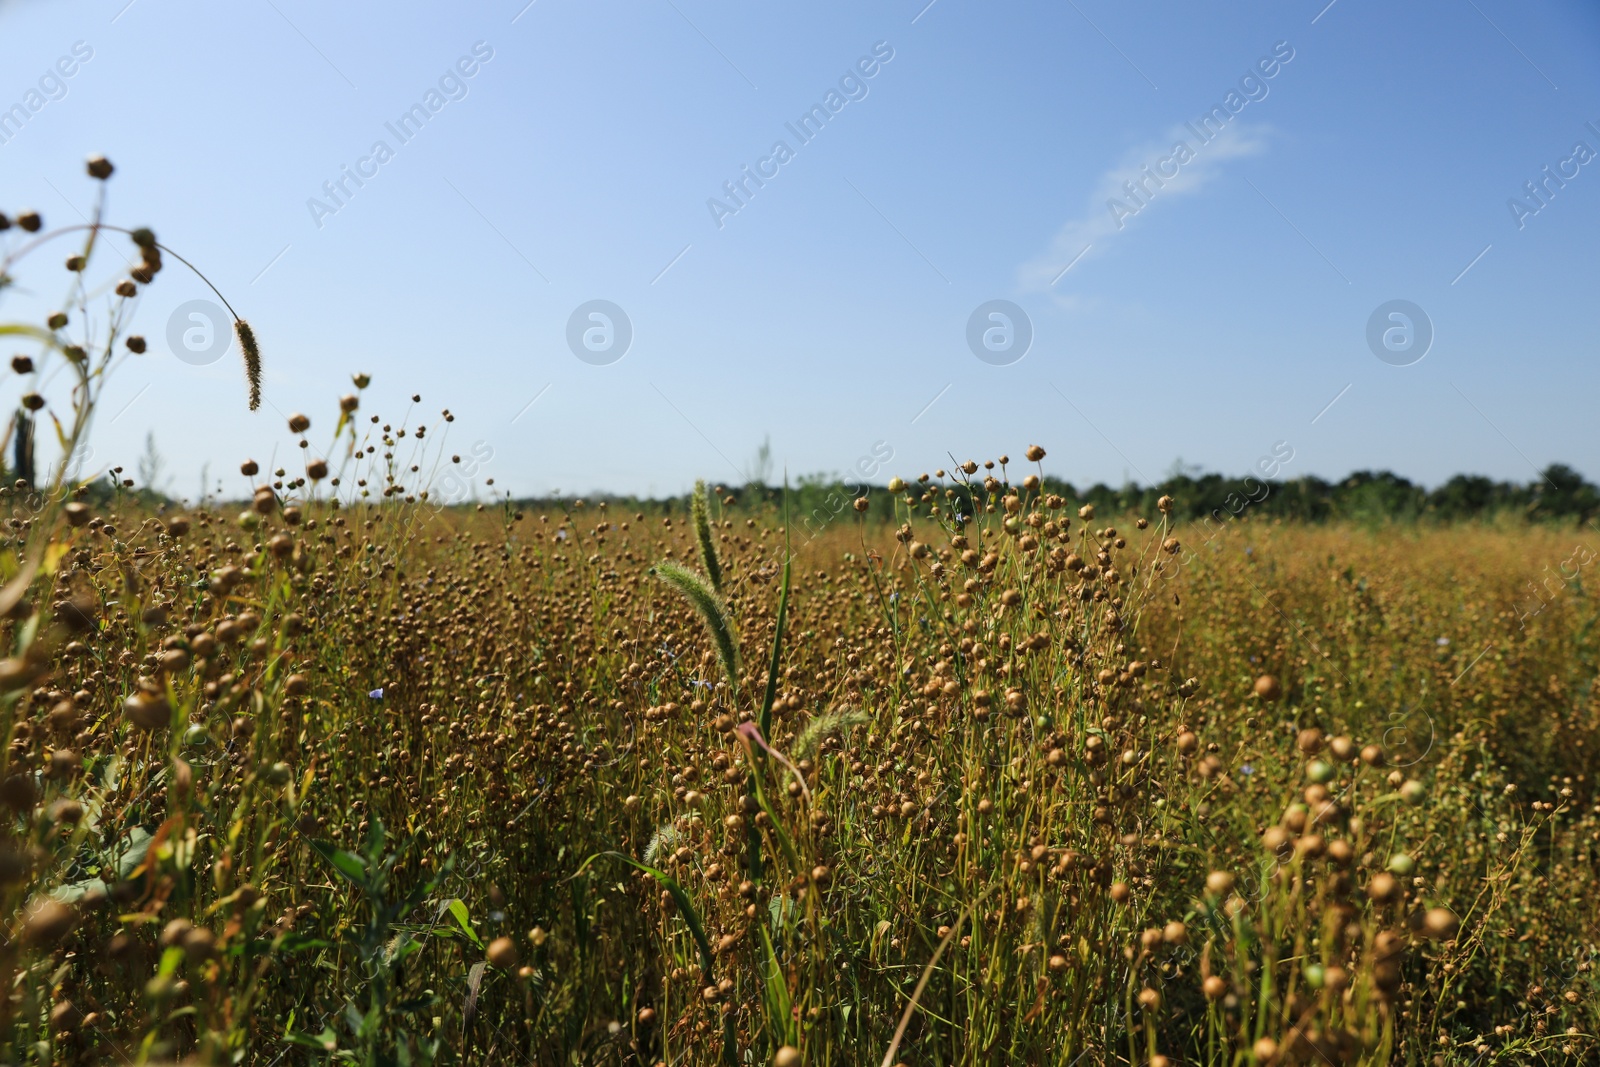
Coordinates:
x,y
131,851
293,942
326,1041
777,992
169,962
458,911
17,329
28,631
767,700
348,864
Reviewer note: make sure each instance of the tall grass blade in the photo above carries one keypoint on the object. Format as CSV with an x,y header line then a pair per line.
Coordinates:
x,y
696,930
767,700
686,908
775,991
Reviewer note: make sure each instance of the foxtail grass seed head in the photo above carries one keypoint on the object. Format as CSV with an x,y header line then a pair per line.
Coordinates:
x,y
711,609
252,359
700,515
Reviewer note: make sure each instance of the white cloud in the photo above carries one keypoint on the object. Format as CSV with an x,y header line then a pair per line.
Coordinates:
x,y
1180,164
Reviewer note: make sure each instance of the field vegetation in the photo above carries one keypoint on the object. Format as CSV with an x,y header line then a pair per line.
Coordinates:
x,y
978,771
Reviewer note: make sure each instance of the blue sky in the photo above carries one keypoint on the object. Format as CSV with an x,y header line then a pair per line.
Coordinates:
x,y
1218,313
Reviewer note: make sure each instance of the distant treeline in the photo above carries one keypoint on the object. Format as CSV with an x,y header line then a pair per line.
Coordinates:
x,y
1559,495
